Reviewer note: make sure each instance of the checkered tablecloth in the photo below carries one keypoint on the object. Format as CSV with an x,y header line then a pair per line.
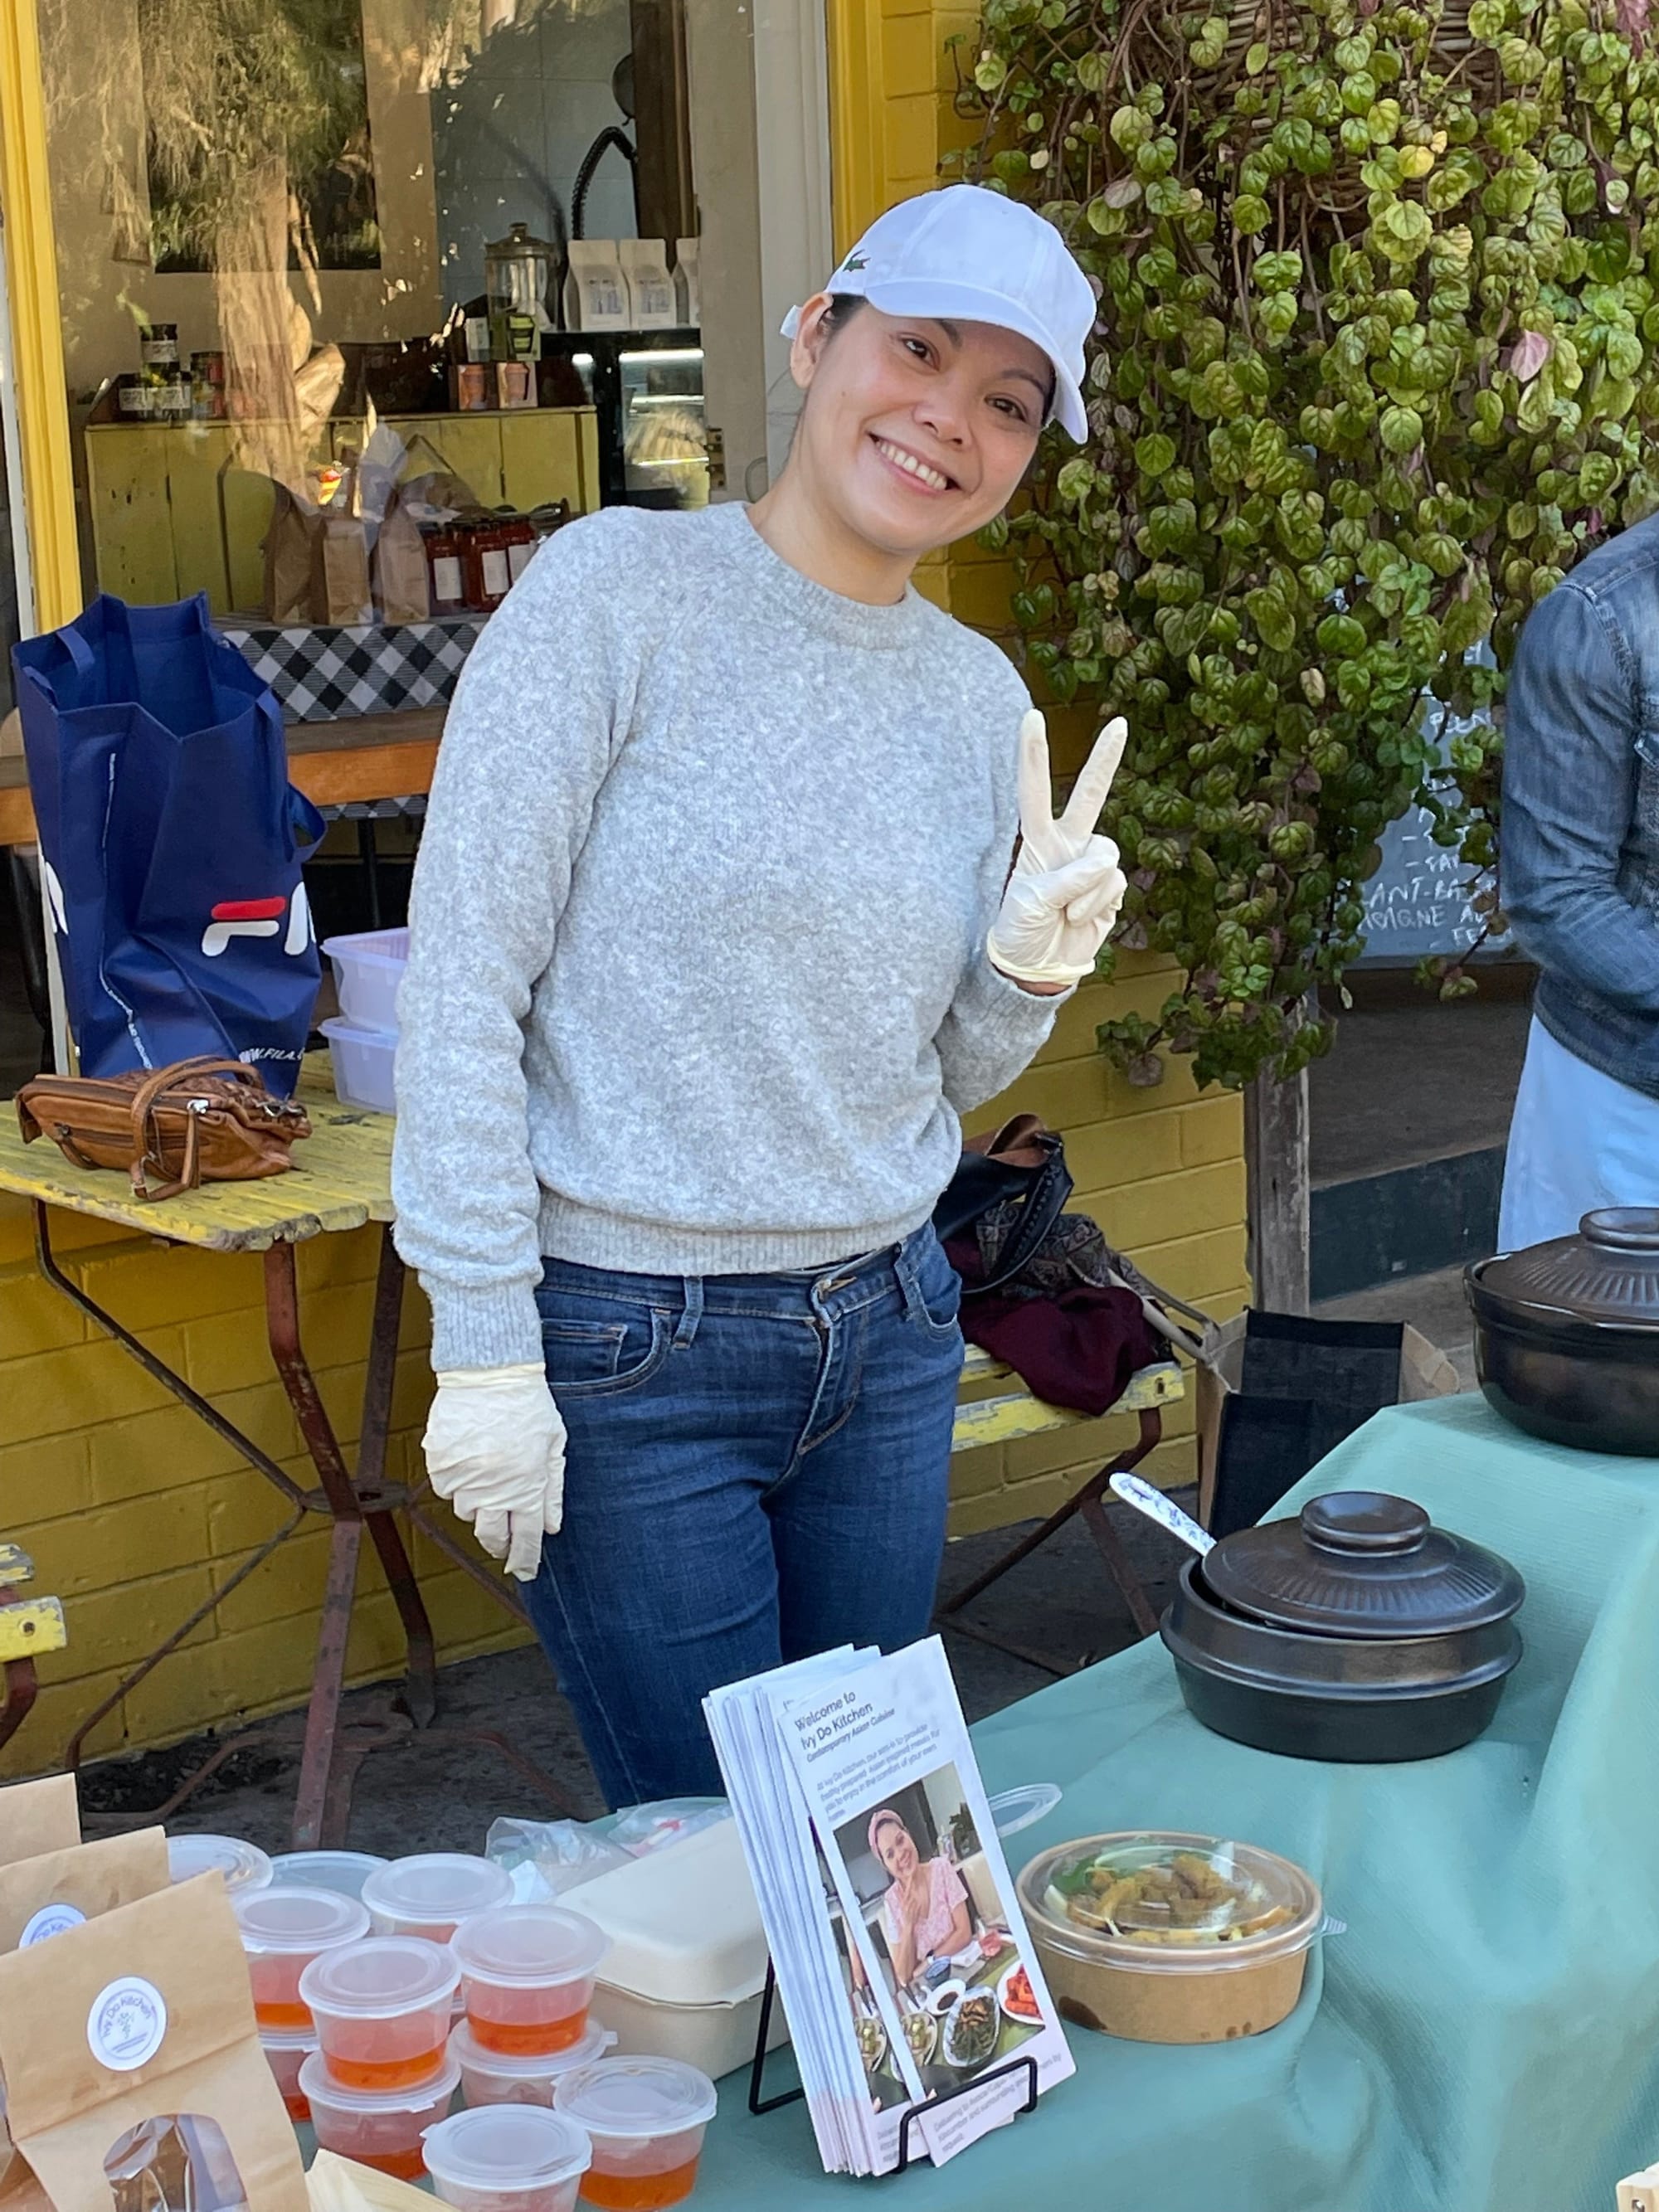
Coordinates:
x,y
321,674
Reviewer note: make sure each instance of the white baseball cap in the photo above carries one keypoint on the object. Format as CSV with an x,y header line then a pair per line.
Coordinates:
x,y
967,254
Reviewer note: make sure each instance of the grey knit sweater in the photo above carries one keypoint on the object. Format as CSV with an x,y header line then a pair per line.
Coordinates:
x,y
697,981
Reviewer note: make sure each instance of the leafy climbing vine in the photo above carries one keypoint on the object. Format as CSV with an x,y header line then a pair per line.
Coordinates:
x,y
1376,359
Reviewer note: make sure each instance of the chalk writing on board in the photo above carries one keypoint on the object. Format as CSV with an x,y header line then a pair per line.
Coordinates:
x,y
1419,901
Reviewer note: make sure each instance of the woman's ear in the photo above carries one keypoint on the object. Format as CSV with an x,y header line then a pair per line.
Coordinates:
x,y
812,336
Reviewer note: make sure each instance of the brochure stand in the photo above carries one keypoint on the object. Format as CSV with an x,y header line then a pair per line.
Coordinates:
x,y
759,2105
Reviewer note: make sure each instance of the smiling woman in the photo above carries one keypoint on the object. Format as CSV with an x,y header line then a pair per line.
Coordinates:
x,y
714,938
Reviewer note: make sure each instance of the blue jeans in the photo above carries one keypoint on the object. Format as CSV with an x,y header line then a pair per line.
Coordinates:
x,y
757,1470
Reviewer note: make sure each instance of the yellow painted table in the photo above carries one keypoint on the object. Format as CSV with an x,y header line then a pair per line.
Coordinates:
x,y
341,1178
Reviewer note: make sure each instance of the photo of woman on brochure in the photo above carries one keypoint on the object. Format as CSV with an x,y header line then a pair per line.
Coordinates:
x,y
937,1931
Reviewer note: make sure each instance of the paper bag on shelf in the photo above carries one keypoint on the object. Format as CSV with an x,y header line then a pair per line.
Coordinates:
x,y
688,285
650,287
38,1816
344,597
596,295
133,2071
293,544
402,593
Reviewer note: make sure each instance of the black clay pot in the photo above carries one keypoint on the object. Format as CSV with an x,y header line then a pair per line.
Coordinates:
x,y
1567,1333
1388,1639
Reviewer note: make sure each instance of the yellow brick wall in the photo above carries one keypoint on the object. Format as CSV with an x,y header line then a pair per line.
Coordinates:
x,y
134,1512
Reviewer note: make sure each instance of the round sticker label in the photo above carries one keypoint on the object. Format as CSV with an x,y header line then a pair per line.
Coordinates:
x,y
126,2023
50,1920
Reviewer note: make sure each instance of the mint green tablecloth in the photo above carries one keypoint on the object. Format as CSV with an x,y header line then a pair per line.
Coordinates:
x,y
1486,2037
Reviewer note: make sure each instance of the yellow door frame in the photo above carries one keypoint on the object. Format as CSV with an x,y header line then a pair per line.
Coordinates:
x,y
36,333
858,165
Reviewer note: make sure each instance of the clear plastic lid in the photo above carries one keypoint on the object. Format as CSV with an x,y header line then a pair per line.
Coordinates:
x,y
244,1866
1163,1902
380,1975
640,2097
319,2087
507,2146
284,1919
287,2039
464,2046
437,1888
529,1946
346,1871
1014,1809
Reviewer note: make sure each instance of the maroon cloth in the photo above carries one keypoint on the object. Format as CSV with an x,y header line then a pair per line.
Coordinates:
x,y
1078,1348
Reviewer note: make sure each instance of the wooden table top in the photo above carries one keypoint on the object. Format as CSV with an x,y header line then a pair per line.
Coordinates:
x,y
341,1178
359,756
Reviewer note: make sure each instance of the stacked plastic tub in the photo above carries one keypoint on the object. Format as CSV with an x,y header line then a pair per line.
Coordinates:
x,y
362,1037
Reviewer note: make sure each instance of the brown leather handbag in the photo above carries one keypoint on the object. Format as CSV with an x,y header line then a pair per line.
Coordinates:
x,y
199,1120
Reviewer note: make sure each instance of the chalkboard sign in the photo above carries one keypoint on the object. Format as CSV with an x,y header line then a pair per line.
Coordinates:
x,y
1420,900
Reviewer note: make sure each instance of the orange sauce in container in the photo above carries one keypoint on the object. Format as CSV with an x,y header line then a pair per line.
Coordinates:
x,y
640,2192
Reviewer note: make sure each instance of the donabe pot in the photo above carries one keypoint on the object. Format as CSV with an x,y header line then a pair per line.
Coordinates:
x,y
1566,1341
1358,1633
1363,1700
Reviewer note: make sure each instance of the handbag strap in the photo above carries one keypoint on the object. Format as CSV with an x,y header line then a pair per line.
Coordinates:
x,y
1043,1203
147,1135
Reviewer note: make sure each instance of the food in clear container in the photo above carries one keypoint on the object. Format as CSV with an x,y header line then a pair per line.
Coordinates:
x,y
645,2118
871,2038
527,1977
1171,1938
921,2034
382,2007
381,2128
283,1929
286,2051
243,1865
431,1894
346,1871
508,2159
490,2077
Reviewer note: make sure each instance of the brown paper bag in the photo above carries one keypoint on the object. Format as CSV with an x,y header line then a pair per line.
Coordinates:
x,y
344,590
57,1890
401,590
38,1816
135,2081
293,544
1424,1372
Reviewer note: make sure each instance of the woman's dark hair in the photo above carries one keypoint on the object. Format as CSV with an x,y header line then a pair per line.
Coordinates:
x,y
842,307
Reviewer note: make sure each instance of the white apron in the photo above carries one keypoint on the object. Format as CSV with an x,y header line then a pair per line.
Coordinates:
x,y
1578,1141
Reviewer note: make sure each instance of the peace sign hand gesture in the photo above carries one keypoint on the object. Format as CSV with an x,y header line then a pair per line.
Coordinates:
x,y
1067,887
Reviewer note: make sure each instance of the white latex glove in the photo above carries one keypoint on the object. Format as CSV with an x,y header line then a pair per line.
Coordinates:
x,y
1066,888
494,1449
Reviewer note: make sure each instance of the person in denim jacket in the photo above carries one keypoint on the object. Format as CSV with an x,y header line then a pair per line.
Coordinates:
x,y
1580,884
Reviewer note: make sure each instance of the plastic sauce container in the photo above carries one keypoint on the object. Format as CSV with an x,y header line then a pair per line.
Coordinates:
x,y
430,1895
382,2009
487,2077
244,1866
527,1977
285,2053
516,2159
645,2118
1170,1938
345,1871
379,2129
283,1929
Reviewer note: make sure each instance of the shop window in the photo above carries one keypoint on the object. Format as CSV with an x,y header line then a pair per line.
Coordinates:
x,y
178,2163
314,262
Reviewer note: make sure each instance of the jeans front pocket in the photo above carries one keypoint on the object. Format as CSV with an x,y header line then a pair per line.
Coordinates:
x,y
937,1305
590,1346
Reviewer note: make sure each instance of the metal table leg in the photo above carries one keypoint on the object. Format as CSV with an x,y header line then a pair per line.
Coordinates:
x,y
1086,1501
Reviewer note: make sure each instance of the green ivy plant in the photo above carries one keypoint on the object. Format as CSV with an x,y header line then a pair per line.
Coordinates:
x,y
1377,358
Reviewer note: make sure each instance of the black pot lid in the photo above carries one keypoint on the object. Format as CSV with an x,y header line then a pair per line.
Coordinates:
x,y
1361,1563
1608,1272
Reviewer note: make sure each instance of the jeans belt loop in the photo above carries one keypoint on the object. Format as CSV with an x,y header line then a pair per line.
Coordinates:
x,y
690,1314
904,1266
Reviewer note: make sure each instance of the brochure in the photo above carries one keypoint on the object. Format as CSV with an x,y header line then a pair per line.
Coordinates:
x,y
904,1965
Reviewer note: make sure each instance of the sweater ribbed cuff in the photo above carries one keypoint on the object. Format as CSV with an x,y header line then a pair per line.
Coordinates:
x,y
494,1327
995,1006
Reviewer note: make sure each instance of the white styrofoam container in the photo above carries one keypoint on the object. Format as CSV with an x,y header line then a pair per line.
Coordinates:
x,y
363,1066
367,970
682,1979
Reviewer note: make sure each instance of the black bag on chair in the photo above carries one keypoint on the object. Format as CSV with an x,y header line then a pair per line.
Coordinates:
x,y
1021,1160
